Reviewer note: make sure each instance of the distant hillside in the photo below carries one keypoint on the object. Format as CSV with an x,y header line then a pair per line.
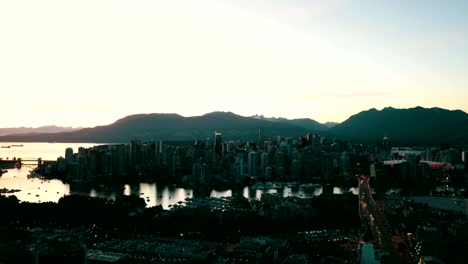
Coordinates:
x,y
406,126
330,124
28,130
170,127
306,123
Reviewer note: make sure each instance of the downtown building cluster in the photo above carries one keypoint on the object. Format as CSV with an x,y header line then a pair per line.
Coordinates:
x,y
308,158
227,163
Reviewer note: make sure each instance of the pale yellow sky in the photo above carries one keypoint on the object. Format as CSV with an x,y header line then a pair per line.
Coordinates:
x,y
90,62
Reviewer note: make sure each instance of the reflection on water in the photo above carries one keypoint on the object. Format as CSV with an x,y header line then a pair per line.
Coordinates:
x,y
340,190
39,190
219,194
34,189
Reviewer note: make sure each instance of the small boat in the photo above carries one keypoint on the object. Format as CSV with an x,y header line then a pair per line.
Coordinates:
x,y
6,146
17,145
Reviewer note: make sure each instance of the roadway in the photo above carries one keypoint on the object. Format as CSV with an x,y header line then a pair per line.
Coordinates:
x,y
373,217
371,212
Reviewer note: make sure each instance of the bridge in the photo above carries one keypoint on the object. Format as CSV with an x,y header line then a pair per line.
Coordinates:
x,y
19,162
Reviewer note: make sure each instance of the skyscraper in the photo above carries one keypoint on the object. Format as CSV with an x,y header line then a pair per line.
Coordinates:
x,y
373,172
217,145
218,140
199,172
158,151
134,153
344,162
69,155
263,162
241,163
295,169
253,163
260,138
237,172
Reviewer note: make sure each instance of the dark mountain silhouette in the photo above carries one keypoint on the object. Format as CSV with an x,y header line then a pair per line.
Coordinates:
x,y
403,126
306,123
406,126
42,129
170,127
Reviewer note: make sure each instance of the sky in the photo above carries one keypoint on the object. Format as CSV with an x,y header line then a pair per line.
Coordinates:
x,y
90,62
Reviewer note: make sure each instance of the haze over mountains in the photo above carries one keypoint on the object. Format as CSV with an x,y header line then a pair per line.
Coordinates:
x,y
42,129
307,123
403,126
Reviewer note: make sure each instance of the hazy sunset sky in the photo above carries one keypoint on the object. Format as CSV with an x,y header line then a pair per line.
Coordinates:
x,y
90,62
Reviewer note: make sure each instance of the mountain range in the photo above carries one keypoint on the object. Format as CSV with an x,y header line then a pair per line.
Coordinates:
x,y
403,126
406,126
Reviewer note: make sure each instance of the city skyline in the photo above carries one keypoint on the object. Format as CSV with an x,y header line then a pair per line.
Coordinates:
x,y
89,63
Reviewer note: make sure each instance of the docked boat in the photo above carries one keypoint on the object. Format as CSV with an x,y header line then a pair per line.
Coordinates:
x,y
6,146
17,145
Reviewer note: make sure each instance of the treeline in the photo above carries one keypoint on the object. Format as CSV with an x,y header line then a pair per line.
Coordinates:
x,y
127,215
77,211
